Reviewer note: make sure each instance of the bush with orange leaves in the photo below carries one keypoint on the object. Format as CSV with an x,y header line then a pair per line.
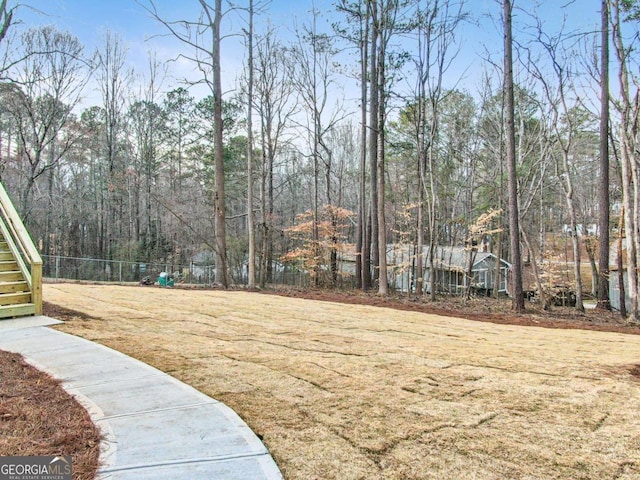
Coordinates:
x,y
318,241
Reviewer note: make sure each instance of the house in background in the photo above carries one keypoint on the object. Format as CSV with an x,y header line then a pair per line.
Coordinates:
x,y
614,289
451,265
616,275
202,267
450,270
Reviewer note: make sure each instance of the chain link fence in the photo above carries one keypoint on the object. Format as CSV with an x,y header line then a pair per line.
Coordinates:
x,y
117,271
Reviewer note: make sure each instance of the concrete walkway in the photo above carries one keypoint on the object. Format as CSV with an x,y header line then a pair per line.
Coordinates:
x,y
155,427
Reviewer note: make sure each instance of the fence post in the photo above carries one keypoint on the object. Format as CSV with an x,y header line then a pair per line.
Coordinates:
x,y
57,267
120,271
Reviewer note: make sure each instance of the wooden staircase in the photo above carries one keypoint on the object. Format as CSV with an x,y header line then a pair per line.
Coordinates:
x,y
20,265
15,292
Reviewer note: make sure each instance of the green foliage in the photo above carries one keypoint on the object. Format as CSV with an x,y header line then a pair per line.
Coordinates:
x,y
154,245
231,112
632,9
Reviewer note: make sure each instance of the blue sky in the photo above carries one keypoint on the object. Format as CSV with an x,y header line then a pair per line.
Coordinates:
x,y
89,19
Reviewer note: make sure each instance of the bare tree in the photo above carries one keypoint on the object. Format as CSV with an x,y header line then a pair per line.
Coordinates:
x,y
274,93
514,222
47,84
384,16
113,80
358,14
251,280
373,138
384,23
563,126
314,80
628,108
603,195
436,23
6,18
148,122
6,22
204,38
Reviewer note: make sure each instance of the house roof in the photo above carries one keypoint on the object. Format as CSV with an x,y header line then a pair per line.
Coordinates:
x,y
204,258
449,258
457,258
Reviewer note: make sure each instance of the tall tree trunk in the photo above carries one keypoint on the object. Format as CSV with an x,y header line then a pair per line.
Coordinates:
x,y
50,178
420,232
363,255
575,244
630,223
421,142
266,207
316,160
433,227
544,299
603,192
219,200
628,130
497,251
590,248
251,261
264,222
516,277
270,222
383,279
620,264
374,99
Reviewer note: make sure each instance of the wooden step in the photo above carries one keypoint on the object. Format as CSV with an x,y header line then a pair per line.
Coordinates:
x,y
14,287
15,298
5,256
21,310
8,266
11,276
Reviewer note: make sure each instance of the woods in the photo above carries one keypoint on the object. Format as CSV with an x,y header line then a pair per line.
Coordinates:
x,y
346,138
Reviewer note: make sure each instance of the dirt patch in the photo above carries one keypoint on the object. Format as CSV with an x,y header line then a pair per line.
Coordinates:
x,y
38,417
354,391
61,313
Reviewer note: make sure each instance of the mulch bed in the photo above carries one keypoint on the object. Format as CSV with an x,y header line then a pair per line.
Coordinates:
x,y
38,417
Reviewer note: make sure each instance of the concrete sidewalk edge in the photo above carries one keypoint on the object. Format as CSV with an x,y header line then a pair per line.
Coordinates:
x,y
153,425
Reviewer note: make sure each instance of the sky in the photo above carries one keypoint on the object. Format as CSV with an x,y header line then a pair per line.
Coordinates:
x,y
90,19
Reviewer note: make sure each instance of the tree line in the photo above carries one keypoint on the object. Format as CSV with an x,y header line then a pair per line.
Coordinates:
x,y
285,170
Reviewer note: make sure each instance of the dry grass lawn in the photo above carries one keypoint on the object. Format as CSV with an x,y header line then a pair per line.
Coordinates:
x,y
358,392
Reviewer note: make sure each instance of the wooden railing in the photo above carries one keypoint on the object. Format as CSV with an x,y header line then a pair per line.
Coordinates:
x,y
23,248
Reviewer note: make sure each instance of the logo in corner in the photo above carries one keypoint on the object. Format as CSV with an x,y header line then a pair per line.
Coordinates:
x,y
36,468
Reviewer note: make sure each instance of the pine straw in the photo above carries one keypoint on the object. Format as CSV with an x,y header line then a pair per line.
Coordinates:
x,y
358,392
38,417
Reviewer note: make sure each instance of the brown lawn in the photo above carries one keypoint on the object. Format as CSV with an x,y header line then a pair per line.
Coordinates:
x,y
360,392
